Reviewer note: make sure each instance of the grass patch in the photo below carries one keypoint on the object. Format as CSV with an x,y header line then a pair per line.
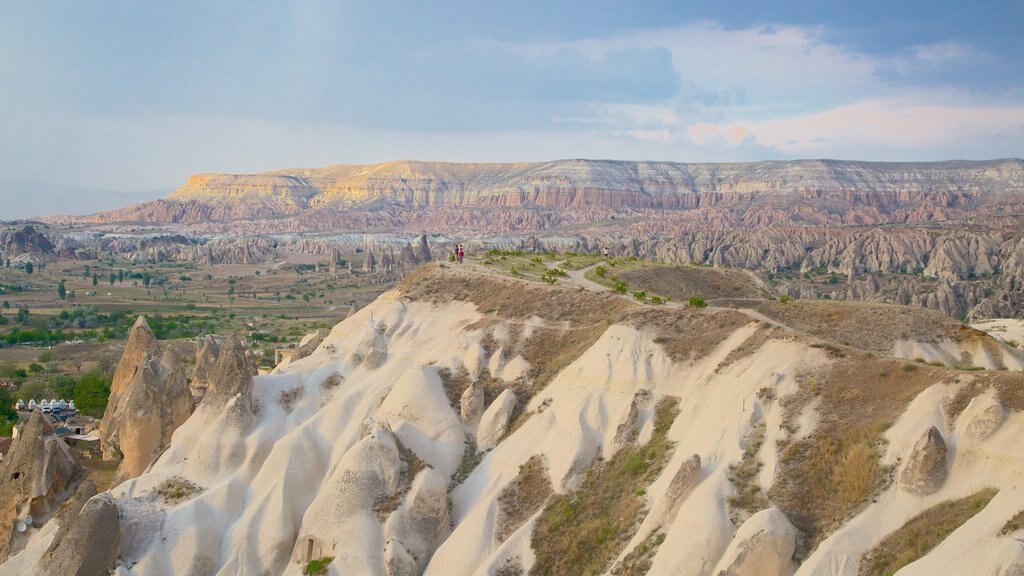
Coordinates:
x,y
1013,524
829,476
176,489
582,532
638,561
743,475
921,534
522,497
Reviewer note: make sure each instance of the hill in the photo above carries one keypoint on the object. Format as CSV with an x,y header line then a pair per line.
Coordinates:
x,y
469,422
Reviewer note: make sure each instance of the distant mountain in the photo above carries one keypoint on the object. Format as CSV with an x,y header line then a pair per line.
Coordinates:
x,y
32,199
863,192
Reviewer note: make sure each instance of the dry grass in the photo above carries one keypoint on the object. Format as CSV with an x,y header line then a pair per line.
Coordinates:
x,y
682,282
867,326
288,398
511,298
101,473
1013,524
176,489
582,532
688,334
921,534
411,466
832,474
522,497
743,475
638,561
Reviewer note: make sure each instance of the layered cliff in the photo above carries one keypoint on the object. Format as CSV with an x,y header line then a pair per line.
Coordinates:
x,y
583,184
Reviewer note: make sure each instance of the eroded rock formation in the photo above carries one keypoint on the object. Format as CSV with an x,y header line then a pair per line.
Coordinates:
x,y
149,399
36,476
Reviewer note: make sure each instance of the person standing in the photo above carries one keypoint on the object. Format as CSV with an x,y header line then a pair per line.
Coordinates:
x,y
460,254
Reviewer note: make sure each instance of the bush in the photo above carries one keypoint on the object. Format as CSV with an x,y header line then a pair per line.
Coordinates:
x,y
697,302
317,567
601,271
620,287
640,295
784,298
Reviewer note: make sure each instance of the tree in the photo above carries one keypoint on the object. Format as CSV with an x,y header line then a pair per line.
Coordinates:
x,y
112,278
91,394
145,279
120,276
28,268
62,291
85,273
95,279
22,315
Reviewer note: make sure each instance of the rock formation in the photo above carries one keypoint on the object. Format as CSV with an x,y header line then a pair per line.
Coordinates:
x,y
982,417
90,545
36,476
231,379
763,546
495,420
925,469
202,372
149,399
472,404
25,241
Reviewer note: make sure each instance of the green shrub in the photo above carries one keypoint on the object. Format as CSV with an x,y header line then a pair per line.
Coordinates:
x,y
697,302
601,271
317,567
620,287
784,298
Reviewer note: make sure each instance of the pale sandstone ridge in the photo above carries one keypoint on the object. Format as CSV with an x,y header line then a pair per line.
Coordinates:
x,y
149,399
709,426
36,476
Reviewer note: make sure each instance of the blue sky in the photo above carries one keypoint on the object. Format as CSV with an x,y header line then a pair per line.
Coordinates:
x,y
132,96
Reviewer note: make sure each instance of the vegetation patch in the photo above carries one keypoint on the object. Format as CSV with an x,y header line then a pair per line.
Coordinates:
x,y
864,325
921,534
176,489
688,334
288,398
1013,524
317,567
582,532
471,458
411,467
743,475
681,282
638,561
829,476
522,497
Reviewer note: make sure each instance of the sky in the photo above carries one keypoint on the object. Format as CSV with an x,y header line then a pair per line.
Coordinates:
x,y
135,96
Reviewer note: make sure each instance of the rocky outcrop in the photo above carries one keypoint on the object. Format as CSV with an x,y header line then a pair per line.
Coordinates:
x,y
495,420
683,482
307,346
202,372
763,546
231,381
421,523
149,399
471,404
925,469
982,417
89,547
25,241
36,476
